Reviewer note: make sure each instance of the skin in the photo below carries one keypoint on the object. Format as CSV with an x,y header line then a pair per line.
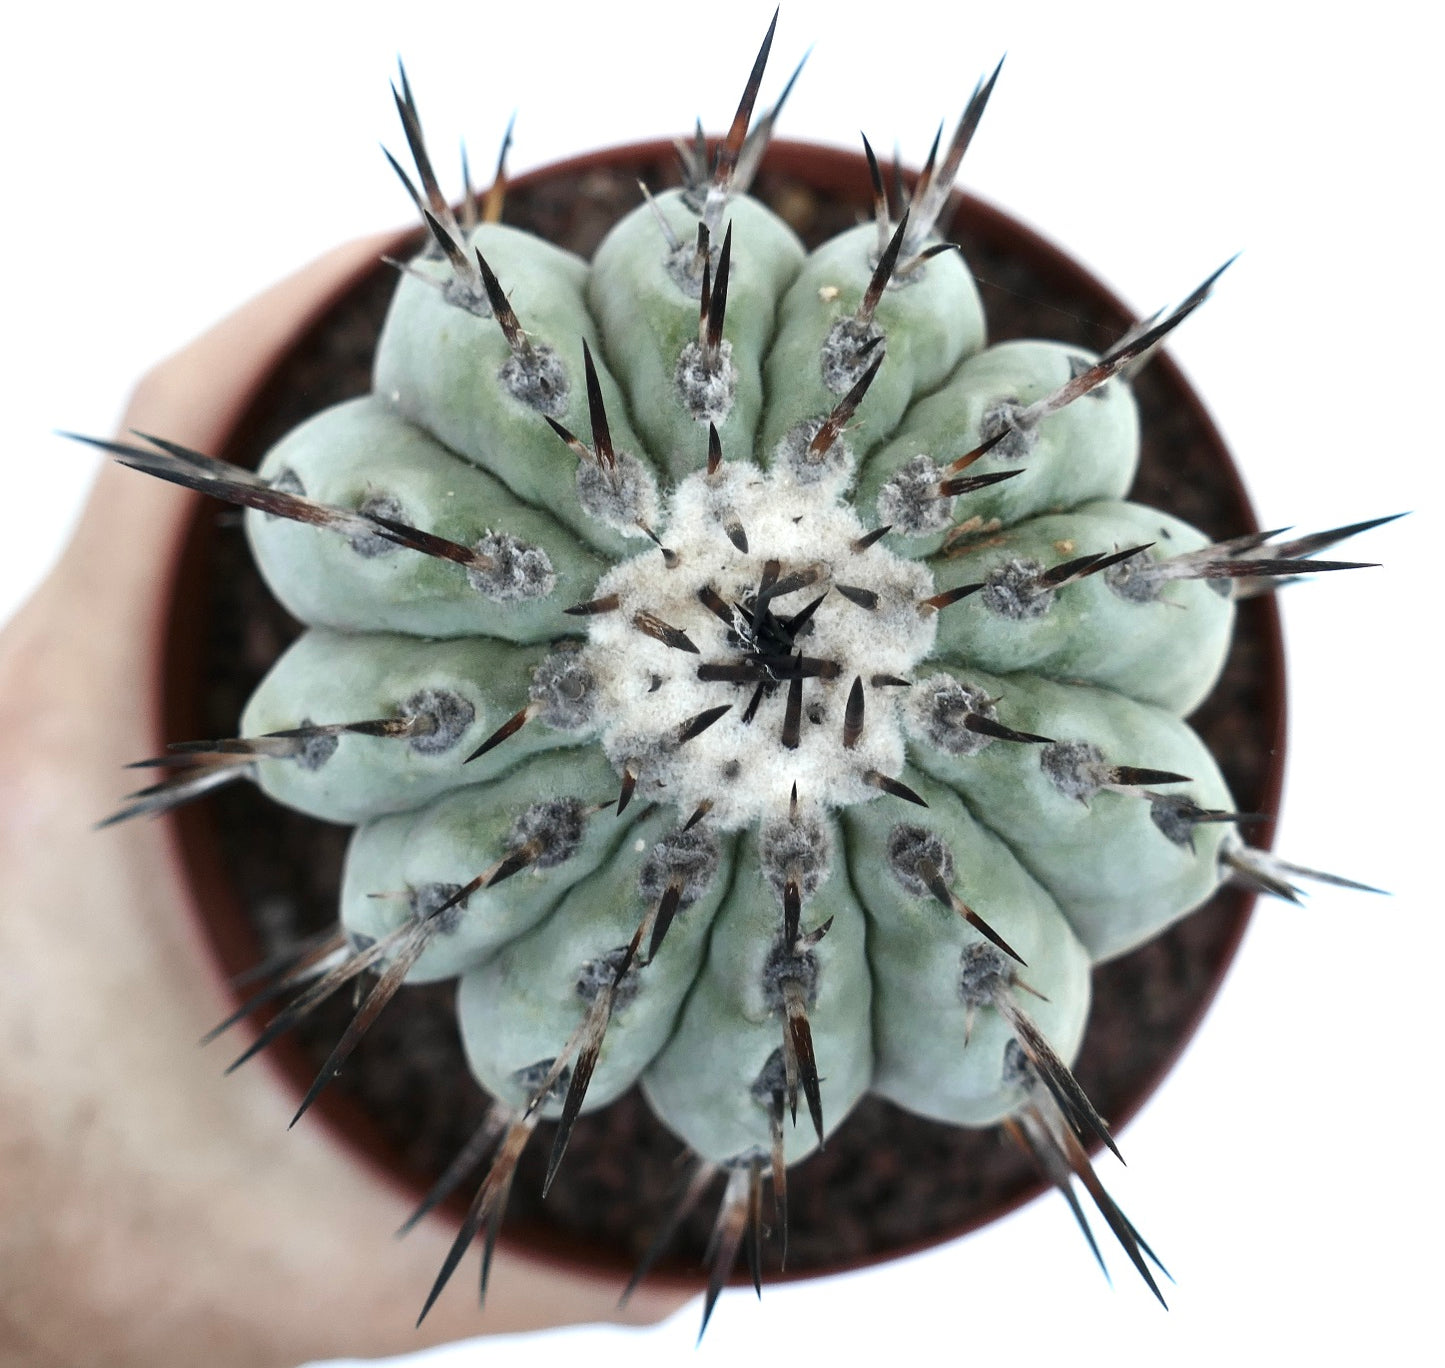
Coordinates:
x,y
270,1255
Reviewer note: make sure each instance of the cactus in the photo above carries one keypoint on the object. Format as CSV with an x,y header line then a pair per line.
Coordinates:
x,y
744,682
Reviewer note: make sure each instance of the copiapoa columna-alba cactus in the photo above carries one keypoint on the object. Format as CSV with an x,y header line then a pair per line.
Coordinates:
x,y
744,681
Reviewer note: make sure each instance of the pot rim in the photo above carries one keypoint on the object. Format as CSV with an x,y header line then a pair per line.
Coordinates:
x,y
224,925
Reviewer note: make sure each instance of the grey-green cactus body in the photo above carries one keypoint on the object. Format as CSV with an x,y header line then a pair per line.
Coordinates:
x,y
648,311
449,370
940,1035
461,690
746,684
1166,649
732,1027
1053,809
560,967
400,869
705,683
927,321
364,455
1081,452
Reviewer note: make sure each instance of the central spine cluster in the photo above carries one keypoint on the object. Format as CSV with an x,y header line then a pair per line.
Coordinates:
x,y
726,679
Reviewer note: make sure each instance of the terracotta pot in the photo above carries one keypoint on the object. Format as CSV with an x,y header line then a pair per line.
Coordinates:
x,y
155,1207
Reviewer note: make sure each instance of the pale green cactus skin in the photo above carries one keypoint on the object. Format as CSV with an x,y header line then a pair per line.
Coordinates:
x,y
345,457
1066,879
648,318
437,365
1168,652
1071,843
929,328
327,675
593,920
728,1030
1083,452
920,1015
745,683
412,855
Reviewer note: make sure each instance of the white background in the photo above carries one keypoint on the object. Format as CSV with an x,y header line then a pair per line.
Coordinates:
x,y
163,163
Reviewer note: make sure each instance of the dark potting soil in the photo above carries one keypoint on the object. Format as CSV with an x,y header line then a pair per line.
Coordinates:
x,y
887,1181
